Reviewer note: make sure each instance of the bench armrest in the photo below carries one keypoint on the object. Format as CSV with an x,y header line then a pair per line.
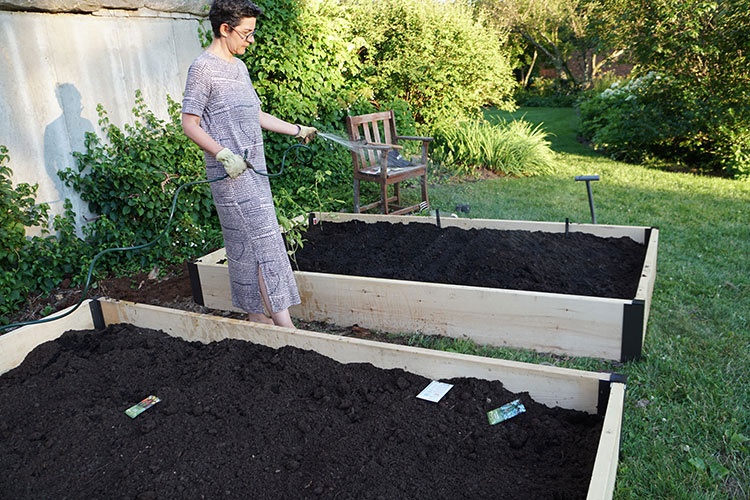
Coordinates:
x,y
412,138
377,147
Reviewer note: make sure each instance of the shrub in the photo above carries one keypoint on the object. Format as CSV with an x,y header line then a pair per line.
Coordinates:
x,y
130,179
432,54
656,117
546,92
510,148
37,264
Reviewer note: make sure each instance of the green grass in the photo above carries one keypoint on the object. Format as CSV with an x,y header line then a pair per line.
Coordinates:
x,y
686,421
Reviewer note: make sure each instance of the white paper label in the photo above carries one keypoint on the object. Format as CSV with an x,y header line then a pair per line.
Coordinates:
x,y
435,391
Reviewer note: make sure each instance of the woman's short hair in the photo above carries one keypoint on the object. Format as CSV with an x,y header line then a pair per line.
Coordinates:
x,y
231,12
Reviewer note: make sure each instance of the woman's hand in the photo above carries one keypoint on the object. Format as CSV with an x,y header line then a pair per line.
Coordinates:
x,y
306,133
233,164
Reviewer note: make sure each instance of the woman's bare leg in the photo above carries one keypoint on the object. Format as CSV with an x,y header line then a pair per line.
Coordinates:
x,y
280,318
259,318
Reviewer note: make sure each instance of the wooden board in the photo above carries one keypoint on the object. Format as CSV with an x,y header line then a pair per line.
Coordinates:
x,y
602,483
648,277
545,322
636,233
18,343
575,389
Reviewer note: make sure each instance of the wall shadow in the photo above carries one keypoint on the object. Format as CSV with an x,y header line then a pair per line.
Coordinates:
x,y
63,136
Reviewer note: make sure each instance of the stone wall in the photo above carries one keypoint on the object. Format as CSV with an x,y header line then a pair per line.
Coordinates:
x,y
194,7
55,68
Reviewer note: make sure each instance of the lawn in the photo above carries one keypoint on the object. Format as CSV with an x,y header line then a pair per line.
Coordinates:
x,y
686,420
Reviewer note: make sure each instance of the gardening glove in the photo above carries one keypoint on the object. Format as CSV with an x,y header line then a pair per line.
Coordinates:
x,y
233,164
306,133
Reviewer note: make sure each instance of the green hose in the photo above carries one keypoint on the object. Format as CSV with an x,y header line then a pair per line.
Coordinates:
x,y
306,149
163,232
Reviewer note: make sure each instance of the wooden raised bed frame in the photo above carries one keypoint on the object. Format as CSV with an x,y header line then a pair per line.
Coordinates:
x,y
601,393
545,322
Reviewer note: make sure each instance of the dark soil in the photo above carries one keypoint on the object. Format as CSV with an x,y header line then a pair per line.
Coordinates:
x,y
577,264
238,420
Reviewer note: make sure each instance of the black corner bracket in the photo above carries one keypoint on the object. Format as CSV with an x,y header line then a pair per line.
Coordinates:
x,y
96,314
195,283
632,330
604,390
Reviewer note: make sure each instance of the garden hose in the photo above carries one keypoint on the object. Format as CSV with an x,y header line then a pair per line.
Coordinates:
x,y
162,233
283,160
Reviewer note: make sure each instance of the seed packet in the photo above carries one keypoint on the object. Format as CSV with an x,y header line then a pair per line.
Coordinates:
x,y
505,412
144,405
435,391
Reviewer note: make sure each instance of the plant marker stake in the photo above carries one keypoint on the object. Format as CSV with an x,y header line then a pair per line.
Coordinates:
x,y
567,223
588,179
437,215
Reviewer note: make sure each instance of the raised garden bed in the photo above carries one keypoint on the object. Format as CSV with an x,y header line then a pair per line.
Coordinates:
x,y
569,321
227,424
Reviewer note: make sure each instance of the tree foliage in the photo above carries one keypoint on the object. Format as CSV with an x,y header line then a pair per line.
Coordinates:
x,y
432,54
558,30
704,43
699,111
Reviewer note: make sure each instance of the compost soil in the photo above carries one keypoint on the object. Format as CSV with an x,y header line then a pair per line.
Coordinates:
x,y
576,263
536,261
239,420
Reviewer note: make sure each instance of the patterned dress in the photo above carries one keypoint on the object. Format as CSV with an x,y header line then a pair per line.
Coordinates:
x,y
221,94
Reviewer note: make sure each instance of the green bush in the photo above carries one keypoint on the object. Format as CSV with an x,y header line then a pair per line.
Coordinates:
x,y
655,117
510,148
432,54
130,179
549,93
304,68
37,264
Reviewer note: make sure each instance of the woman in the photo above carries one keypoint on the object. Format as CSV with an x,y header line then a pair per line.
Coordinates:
x,y
221,114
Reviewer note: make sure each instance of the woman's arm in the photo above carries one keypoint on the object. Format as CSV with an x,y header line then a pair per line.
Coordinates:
x,y
270,122
191,125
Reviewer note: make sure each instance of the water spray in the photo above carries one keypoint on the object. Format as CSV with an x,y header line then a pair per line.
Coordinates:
x,y
359,144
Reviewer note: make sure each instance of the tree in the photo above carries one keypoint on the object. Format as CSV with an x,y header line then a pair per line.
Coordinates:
x,y
432,54
697,109
558,30
706,44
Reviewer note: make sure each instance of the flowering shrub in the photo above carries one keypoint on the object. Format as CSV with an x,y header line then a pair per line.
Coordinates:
x,y
653,116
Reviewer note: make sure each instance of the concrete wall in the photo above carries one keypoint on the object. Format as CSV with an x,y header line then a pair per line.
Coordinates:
x,y
56,67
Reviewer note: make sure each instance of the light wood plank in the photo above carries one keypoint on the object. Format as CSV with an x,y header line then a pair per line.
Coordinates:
x,y
602,483
17,344
545,322
648,278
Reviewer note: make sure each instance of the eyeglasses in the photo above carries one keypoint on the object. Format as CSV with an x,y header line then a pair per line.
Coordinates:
x,y
245,37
